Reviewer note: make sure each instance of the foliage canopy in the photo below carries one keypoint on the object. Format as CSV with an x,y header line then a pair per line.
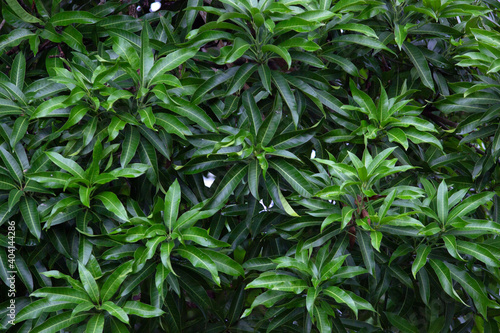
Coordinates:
x,y
353,147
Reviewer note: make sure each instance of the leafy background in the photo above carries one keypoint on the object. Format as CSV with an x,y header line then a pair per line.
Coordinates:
x,y
353,147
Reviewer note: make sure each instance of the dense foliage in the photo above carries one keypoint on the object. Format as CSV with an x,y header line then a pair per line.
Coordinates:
x,y
353,147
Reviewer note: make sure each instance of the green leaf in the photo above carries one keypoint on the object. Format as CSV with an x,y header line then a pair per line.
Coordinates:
x,y
88,282
362,99
362,40
361,28
66,164
64,294
366,251
115,311
113,204
275,281
18,70
265,76
12,165
142,310
228,184
442,202
172,125
14,38
95,324
420,259
240,78
58,322
254,172
112,284
279,50
240,46
201,237
323,321
285,91
479,252
253,112
169,62
27,206
344,63
268,128
469,204
37,308
193,112
147,117
417,58
70,17
340,296
172,202
199,260
402,324
267,299
23,15
224,264
293,177
422,137
444,276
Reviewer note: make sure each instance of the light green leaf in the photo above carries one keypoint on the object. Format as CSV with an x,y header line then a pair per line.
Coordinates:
x,y
169,62
95,324
228,184
89,283
70,17
58,322
115,311
142,310
28,206
113,204
420,259
199,260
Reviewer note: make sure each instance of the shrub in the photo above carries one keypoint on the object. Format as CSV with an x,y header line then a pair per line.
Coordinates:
x,y
248,166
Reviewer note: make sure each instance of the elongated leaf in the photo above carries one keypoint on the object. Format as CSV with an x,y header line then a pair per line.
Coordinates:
x,y
401,323
58,322
420,259
340,296
171,61
70,17
469,204
18,70
115,311
224,264
36,308
279,50
200,260
417,58
228,184
442,202
287,95
193,112
112,284
172,202
95,324
253,113
66,164
12,165
293,177
27,205
113,204
88,283
479,252
142,310
64,294
366,251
